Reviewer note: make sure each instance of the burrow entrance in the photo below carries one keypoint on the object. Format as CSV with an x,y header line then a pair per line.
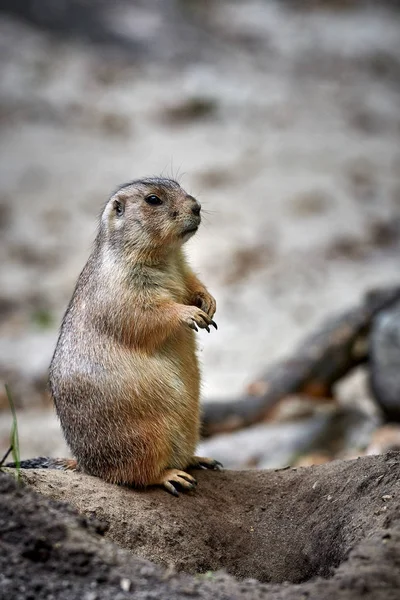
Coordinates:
x,y
274,526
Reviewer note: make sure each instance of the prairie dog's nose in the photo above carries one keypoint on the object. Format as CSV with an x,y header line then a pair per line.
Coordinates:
x,y
196,208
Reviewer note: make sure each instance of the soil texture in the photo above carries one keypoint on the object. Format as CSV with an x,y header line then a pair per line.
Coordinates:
x,y
331,531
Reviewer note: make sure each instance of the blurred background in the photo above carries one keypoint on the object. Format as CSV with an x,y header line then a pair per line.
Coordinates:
x,y
281,117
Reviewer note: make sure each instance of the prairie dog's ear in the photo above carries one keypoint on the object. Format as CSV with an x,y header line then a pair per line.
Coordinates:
x,y
114,211
118,204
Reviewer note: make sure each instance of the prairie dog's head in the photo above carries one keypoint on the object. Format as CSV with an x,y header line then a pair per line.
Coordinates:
x,y
147,214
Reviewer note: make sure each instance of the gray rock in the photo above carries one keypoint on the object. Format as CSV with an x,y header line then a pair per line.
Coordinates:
x,y
385,361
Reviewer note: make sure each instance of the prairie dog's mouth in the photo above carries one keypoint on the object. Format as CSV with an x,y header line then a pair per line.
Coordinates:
x,y
190,230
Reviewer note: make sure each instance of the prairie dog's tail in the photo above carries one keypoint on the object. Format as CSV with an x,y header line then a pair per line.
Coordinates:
x,y
45,462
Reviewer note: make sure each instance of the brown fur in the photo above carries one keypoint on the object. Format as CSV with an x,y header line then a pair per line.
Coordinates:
x,y
124,375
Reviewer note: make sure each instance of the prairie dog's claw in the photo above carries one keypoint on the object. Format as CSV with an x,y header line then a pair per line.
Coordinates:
x,y
171,489
203,462
196,318
173,477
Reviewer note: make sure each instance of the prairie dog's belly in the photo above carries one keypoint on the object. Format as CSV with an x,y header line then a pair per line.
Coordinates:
x,y
168,384
160,389
165,382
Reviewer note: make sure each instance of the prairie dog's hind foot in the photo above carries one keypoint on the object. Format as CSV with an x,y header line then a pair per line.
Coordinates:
x,y
171,478
203,462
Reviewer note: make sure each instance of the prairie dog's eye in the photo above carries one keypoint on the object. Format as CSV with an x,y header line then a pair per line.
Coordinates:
x,y
153,200
119,208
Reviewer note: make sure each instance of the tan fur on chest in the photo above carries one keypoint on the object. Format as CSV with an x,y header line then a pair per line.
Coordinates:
x,y
174,284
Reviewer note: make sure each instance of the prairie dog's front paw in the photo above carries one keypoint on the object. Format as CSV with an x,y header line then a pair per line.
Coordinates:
x,y
195,317
206,302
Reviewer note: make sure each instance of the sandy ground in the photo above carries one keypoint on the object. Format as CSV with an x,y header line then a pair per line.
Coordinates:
x,y
283,122
275,526
323,532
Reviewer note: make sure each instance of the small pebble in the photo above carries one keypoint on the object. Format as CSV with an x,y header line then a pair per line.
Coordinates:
x,y
125,584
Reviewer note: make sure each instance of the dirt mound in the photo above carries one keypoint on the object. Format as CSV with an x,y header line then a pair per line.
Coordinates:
x,y
332,529
48,551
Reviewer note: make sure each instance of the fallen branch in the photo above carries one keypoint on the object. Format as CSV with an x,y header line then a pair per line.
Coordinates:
x,y
323,358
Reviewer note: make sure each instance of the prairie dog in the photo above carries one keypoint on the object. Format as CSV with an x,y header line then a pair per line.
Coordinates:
x,y
124,376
